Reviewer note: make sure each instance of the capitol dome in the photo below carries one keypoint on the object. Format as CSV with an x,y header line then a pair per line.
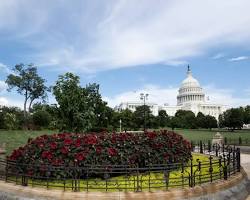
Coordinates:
x,y
190,90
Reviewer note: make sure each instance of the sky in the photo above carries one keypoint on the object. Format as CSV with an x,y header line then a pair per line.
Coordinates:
x,y
129,47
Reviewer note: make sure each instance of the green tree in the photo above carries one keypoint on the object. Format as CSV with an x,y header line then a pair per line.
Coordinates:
x,y
232,119
163,118
186,118
200,120
210,122
28,83
79,109
142,115
41,119
10,121
174,122
247,115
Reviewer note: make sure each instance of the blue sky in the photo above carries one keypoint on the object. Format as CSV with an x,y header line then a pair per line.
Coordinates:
x,y
130,46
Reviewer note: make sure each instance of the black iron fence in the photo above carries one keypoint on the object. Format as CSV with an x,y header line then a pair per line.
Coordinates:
x,y
221,162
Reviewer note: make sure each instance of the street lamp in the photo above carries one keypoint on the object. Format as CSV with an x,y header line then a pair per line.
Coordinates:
x,y
144,97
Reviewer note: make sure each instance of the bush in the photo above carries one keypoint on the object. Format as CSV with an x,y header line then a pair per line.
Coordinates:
x,y
103,149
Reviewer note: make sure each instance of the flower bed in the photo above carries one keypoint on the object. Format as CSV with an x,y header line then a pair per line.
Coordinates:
x,y
105,149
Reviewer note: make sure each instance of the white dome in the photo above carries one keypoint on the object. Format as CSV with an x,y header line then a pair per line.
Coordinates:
x,y
190,81
190,91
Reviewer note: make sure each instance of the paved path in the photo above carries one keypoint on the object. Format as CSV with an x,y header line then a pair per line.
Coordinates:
x,y
245,162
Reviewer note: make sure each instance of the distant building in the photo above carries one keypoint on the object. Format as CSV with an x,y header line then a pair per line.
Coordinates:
x,y
190,97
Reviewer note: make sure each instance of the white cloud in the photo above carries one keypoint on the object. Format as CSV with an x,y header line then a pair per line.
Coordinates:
x,y
5,68
90,36
3,86
168,95
238,58
7,101
218,56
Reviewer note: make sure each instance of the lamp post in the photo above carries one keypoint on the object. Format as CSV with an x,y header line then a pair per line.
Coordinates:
x,y
144,97
120,125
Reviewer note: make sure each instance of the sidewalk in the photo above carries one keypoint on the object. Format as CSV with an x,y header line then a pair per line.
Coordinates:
x,y
245,162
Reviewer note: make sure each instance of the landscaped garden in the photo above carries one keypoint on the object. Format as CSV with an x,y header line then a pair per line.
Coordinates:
x,y
116,162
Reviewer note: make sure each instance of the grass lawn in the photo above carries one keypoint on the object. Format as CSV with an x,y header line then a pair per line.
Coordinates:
x,y
205,135
14,139
17,138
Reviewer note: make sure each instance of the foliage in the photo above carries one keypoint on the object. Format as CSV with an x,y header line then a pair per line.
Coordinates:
x,y
10,118
28,83
232,119
10,121
186,119
163,118
41,118
79,109
103,149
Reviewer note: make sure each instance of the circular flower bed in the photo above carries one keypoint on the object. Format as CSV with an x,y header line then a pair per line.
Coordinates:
x,y
70,149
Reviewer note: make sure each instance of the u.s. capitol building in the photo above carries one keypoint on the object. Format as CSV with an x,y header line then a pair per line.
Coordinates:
x,y
190,97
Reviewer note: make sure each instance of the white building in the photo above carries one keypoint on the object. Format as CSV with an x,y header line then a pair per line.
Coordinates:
x,y
190,97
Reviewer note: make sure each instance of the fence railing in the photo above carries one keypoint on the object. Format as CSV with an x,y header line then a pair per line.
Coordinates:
x,y
223,161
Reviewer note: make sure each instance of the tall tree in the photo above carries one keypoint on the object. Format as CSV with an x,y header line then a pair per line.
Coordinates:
x,y
28,83
232,118
163,118
79,108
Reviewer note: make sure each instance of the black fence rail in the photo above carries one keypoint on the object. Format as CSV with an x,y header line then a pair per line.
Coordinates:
x,y
221,163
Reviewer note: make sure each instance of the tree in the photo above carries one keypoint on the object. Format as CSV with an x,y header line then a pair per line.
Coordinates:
x,y
41,118
28,83
163,118
186,118
142,115
200,120
247,115
79,109
174,122
210,122
232,119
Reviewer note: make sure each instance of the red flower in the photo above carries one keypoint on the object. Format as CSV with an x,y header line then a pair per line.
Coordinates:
x,y
53,145
80,156
47,154
112,151
78,142
64,150
98,150
151,135
91,139
68,141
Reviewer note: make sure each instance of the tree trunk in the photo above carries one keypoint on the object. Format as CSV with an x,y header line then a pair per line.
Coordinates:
x,y
25,112
31,101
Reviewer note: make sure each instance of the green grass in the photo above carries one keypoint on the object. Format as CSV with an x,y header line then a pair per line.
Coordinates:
x,y
205,135
148,180
15,139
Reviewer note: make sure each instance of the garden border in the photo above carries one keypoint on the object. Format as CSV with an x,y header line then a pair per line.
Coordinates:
x,y
234,187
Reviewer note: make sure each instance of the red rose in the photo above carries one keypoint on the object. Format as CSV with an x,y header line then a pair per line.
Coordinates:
x,y
53,145
78,142
112,152
68,141
98,150
80,156
47,154
64,150
91,139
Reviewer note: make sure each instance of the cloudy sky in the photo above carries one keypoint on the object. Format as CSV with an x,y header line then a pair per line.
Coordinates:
x,y
131,46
